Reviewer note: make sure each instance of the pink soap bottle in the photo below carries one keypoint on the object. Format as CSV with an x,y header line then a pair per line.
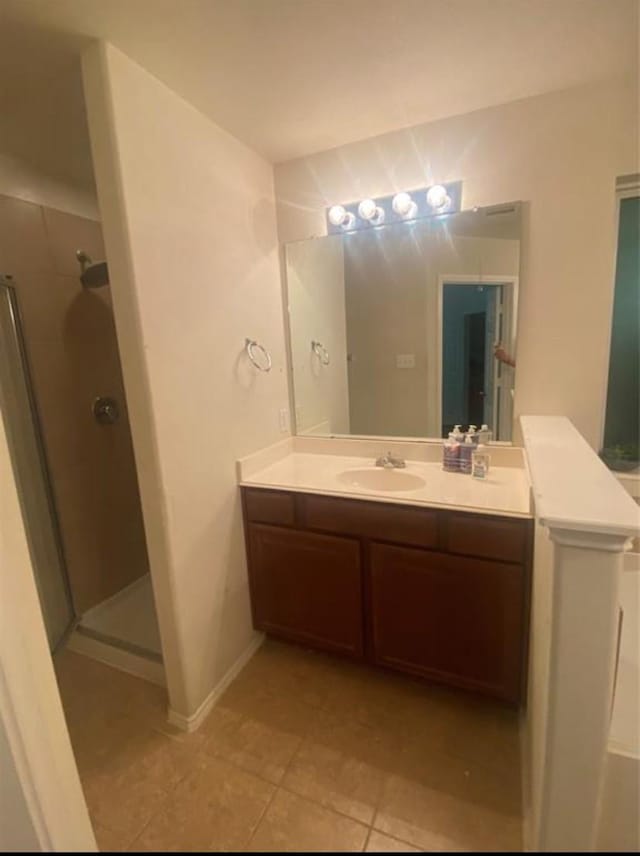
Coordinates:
x,y
451,454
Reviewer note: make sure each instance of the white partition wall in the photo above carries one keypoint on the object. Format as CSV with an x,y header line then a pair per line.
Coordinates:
x,y
189,223
584,520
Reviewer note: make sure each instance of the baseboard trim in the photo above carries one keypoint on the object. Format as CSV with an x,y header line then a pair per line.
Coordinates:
x,y
193,722
118,658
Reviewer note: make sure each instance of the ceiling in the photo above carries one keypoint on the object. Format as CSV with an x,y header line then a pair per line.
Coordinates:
x,y
292,77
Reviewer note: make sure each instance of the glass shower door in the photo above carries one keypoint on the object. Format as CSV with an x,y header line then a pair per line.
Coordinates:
x,y
17,407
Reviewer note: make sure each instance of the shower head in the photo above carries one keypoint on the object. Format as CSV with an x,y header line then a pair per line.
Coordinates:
x,y
93,274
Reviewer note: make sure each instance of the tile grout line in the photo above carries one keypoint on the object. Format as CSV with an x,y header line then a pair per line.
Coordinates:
x,y
169,795
395,838
366,841
321,805
279,786
276,788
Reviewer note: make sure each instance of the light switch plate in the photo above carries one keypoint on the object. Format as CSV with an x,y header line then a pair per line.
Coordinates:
x,y
283,419
405,361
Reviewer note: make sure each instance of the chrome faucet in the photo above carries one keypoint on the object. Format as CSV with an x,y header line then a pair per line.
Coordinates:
x,y
390,463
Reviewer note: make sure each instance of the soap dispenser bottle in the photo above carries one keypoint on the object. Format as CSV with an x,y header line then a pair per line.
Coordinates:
x,y
484,434
480,462
451,454
466,454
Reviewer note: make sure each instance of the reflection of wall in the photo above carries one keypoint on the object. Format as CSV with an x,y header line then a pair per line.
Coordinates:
x,y
73,352
386,294
560,152
391,284
315,289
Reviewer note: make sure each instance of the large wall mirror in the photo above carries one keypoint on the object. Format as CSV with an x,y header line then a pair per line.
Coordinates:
x,y
407,329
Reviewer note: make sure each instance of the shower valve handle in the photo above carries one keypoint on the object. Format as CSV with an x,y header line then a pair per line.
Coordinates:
x,y
106,410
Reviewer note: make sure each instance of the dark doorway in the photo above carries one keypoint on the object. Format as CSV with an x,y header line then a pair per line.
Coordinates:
x,y
469,328
474,365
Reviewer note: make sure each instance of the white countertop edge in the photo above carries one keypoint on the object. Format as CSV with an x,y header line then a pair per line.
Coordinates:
x,y
419,451
387,499
573,490
598,528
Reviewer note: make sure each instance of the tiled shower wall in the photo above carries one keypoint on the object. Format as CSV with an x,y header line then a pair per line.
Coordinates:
x,y
73,354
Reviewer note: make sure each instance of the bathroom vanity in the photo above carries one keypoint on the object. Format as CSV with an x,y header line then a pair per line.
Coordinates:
x,y
394,576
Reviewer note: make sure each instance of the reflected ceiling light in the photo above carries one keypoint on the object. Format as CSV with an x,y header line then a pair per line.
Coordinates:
x,y
437,196
339,216
372,213
404,206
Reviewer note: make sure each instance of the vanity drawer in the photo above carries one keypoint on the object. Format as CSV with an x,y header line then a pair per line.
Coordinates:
x,y
269,506
415,526
499,538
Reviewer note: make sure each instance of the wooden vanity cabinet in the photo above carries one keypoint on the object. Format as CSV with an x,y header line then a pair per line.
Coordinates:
x,y
438,594
307,587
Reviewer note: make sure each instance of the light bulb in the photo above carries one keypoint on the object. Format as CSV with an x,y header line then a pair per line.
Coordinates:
x,y
437,196
337,215
367,209
403,205
372,213
349,220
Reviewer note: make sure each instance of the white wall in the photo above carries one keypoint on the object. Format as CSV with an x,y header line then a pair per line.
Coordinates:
x,y
17,830
560,153
20,180
189,222
316,304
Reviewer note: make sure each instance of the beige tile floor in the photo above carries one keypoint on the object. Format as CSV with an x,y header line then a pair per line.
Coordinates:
x,y
303,752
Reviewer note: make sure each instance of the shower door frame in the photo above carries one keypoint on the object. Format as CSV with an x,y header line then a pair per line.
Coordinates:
x,y
6,285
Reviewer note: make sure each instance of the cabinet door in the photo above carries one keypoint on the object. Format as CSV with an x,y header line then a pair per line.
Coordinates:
x,y
456,619
307,587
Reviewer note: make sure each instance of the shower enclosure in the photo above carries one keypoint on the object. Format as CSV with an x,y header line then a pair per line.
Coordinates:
x,y
18,407
63,402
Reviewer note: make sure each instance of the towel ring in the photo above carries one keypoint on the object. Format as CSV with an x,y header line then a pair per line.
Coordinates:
x,y
321,352
250,345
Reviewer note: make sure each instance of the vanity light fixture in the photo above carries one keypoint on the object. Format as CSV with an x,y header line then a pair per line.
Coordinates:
x,y
370,211
339,216
404,206
437,197
437,200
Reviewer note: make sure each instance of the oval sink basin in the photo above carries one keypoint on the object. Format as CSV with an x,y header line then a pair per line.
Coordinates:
x,y
377,478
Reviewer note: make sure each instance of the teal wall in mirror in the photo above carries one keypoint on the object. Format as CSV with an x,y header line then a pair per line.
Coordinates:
x,y
622,426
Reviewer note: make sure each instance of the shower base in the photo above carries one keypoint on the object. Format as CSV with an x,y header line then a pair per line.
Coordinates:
x,y
123,631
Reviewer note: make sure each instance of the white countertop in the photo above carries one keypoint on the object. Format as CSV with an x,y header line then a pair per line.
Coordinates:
x,y
573,489
505,492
